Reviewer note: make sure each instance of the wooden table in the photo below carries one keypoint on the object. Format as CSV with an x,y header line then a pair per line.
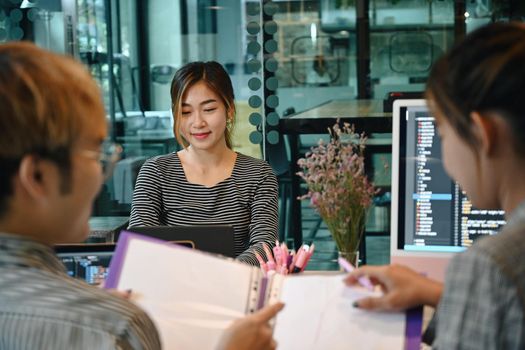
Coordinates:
x,y
102,229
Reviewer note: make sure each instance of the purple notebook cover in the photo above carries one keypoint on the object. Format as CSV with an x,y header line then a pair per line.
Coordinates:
x,y
262,291
414,323
414,317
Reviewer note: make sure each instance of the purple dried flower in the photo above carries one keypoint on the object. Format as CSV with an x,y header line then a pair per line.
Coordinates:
x,y
338,186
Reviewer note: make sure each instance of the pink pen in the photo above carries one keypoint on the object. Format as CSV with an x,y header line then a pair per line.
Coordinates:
x,y
284,257
283,270
261,262
364,281
271,262
308,256
299,262
289,260
294,259
277,254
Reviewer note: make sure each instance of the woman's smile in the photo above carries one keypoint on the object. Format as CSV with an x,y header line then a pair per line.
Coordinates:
x,y
201,135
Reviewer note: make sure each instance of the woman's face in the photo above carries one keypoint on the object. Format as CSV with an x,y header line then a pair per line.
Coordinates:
x,y
203,118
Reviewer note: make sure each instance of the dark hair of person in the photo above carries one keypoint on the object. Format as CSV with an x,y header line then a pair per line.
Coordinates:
x,y
216,78
483,73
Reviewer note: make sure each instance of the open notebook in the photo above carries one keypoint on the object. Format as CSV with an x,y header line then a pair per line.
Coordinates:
x,y
193,296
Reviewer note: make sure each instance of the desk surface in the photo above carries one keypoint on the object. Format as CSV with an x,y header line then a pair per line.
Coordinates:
x,y
103,228
366,115
344,109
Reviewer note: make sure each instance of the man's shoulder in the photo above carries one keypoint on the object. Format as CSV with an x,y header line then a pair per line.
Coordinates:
x,y
62,299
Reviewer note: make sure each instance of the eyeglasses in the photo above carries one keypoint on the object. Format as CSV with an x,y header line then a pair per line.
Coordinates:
x,y
108,156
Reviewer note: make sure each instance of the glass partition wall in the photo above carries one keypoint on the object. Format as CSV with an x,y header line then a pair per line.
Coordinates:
x,y
334,55
291,62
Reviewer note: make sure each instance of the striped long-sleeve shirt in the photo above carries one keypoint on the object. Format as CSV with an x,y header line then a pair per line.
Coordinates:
x,y
41,307
247,200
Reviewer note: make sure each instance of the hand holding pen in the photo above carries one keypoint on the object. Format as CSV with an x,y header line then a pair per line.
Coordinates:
x,y
283,261
402,288
362,280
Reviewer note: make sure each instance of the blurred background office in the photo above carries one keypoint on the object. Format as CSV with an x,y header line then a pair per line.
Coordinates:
x,y
287,59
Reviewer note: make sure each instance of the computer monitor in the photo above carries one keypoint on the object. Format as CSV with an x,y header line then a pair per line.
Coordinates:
x,y
431,218
218,239
89,262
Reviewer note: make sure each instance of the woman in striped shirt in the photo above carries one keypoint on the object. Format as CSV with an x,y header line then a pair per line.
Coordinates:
x,y
207,182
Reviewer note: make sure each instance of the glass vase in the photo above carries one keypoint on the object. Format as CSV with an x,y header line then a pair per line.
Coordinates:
x,y
347,236
352,257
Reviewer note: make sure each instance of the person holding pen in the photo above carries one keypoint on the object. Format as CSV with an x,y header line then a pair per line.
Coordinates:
x,y
53,161
207,182
476,92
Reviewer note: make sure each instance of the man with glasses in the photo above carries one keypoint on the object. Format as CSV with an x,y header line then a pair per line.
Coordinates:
x,y
53,160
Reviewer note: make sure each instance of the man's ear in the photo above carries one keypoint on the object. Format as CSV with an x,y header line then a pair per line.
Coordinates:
x,y
486,130
31,176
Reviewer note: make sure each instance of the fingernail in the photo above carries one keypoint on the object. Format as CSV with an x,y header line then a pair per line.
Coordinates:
x,y
355,304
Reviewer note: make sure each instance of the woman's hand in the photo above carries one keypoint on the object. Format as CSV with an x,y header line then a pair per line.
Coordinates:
x,y
252,332
403,288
